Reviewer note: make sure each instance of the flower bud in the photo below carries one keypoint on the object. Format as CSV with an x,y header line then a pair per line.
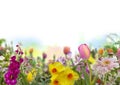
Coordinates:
x,y
84,51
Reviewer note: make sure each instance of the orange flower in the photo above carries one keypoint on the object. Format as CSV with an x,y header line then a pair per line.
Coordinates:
x,y
109,50
100,51
66,50
31,50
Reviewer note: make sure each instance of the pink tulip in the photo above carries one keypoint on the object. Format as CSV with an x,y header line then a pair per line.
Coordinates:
x,y
84,51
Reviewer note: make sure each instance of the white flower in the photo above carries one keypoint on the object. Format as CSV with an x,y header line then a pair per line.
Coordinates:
x,y
2,58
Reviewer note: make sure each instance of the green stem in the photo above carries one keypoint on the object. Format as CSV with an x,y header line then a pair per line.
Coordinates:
x,y
93,81
90,70
105,79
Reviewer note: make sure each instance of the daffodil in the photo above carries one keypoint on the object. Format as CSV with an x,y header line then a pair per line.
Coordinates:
x,y
66,77
69,76
31,75
62,75
91,59
55,68
56,82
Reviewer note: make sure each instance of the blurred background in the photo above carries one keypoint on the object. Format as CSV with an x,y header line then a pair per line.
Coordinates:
x,y
46,23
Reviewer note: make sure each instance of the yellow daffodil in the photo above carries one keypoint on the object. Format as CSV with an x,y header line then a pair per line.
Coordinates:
x,y
61,73
31,75
69,76
56,82
55,68
91,59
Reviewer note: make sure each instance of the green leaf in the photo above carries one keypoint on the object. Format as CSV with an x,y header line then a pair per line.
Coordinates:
x,y
86,76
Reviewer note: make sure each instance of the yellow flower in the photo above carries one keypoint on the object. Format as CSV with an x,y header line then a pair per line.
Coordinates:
x,y
62,75
31,75
91,59
55,68
69,76
56,82
66,77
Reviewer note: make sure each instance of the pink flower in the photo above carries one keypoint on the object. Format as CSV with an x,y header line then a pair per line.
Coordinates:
x,y
105,65
84,51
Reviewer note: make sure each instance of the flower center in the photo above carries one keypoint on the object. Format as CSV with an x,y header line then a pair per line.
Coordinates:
x,y
54,70
11,77
70,76
106,62
56,82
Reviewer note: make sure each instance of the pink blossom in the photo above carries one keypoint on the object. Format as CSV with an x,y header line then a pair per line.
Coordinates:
x,y
84,51
105,65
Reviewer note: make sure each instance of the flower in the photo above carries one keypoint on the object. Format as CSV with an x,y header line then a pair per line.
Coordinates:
x,y
60,73
105,65
84,51
91,59
100,51
56,82
110,51
55,68
13,71
29,77
10,78
61,60
31,50
66,50
68,76
44,55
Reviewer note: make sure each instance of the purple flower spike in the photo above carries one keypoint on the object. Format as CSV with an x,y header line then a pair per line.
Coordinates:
x,y
13,58
13,70
21,60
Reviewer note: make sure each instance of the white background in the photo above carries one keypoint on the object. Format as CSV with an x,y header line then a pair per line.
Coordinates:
x,y
61,22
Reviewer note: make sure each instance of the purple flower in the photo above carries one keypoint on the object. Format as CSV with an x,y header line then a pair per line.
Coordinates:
x,y
11,78
16,51
21,60
44,55
13,58
62,60
13,71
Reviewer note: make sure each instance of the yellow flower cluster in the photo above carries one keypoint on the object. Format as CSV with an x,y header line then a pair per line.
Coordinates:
x,y
31,75
62,75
